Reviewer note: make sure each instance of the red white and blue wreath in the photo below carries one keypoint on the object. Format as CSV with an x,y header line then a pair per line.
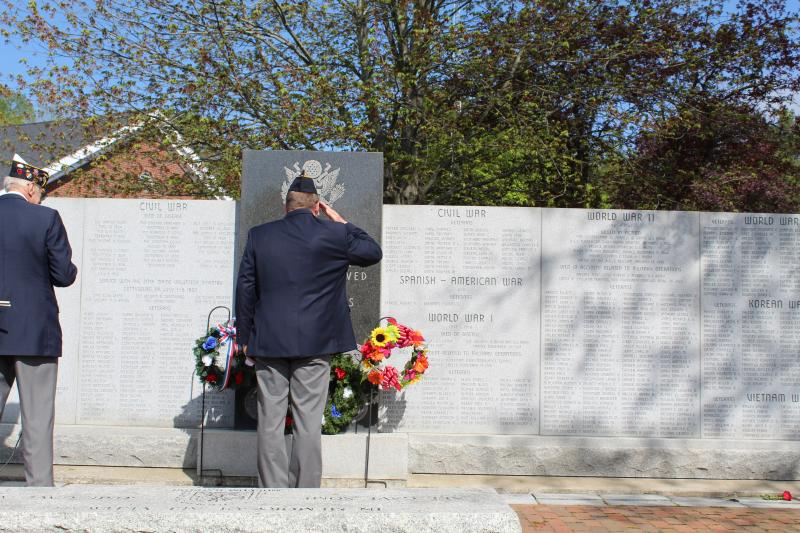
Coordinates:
x,y
218,361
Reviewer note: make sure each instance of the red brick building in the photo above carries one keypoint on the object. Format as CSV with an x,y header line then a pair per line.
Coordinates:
x,y
109,161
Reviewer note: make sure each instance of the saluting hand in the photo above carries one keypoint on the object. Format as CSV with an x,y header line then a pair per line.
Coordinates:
x,y
331,213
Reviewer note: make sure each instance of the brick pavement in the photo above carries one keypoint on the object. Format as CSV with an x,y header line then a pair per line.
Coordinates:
x,y
563,518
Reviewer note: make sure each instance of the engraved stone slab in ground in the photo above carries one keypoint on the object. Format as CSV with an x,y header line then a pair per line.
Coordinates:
x,y
136,508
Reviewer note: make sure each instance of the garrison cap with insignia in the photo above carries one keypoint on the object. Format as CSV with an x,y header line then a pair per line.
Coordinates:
x,y
303,183
20,169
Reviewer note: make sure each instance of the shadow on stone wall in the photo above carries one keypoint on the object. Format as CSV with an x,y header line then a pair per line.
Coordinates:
x,y
389,400
216,410
632,347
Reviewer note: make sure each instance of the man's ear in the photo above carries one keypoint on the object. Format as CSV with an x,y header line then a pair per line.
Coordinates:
x,y
315,209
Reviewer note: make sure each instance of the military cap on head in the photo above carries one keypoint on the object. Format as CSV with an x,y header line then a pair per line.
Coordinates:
x,y
303,183
22,170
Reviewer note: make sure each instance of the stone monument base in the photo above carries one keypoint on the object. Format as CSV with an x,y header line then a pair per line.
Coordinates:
x,y
233,453
533,455
226,453
91,508
395,456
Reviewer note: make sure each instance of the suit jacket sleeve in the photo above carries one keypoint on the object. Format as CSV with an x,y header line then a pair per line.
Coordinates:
x,y
246,293
59,254
362,250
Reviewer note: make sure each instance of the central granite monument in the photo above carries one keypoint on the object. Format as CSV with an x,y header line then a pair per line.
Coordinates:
x,y
352,183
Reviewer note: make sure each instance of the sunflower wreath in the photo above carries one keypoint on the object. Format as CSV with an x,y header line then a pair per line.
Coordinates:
x,y
218,362
379,347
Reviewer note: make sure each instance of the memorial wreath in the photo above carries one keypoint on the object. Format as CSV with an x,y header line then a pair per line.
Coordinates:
x,y
380,345
347,394
220,365
218,362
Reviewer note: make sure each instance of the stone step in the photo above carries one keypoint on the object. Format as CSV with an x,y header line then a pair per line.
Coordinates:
x,y
98,508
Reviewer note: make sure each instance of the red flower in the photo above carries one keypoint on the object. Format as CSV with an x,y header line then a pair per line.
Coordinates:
x,y
375,377
340,374
787,495
211,378
416,337
376,356
366,348
289,421
238,377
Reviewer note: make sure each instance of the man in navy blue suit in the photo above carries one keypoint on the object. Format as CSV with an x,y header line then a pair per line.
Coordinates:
x,y
291,316
35,256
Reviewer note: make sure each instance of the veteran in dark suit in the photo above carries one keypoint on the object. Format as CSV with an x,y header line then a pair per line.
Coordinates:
x,y
35,256
292,315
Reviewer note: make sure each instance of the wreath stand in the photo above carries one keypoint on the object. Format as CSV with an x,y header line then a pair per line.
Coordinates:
x,y
369,426
200,472
369,433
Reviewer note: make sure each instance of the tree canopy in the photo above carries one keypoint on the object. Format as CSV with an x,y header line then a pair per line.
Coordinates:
x,y
14,107
666,104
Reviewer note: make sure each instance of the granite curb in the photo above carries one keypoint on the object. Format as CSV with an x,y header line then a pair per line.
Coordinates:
x,y
603,500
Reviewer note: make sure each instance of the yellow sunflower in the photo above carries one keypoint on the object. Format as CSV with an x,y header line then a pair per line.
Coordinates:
x,y
379,337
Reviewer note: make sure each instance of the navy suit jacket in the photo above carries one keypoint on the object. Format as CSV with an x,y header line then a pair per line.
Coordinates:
x,y
291,298
35,256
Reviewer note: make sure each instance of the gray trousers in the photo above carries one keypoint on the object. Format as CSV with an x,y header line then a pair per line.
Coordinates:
x,y
36,382
304,382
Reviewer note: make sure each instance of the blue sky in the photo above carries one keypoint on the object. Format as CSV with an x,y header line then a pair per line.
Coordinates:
x,y
16,58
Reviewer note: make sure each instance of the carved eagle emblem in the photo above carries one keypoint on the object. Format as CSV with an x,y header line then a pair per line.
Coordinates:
x,y
324,179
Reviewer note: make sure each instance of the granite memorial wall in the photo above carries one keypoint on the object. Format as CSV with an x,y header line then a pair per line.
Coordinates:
x,y
547,327
469,279
149,273
574,322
